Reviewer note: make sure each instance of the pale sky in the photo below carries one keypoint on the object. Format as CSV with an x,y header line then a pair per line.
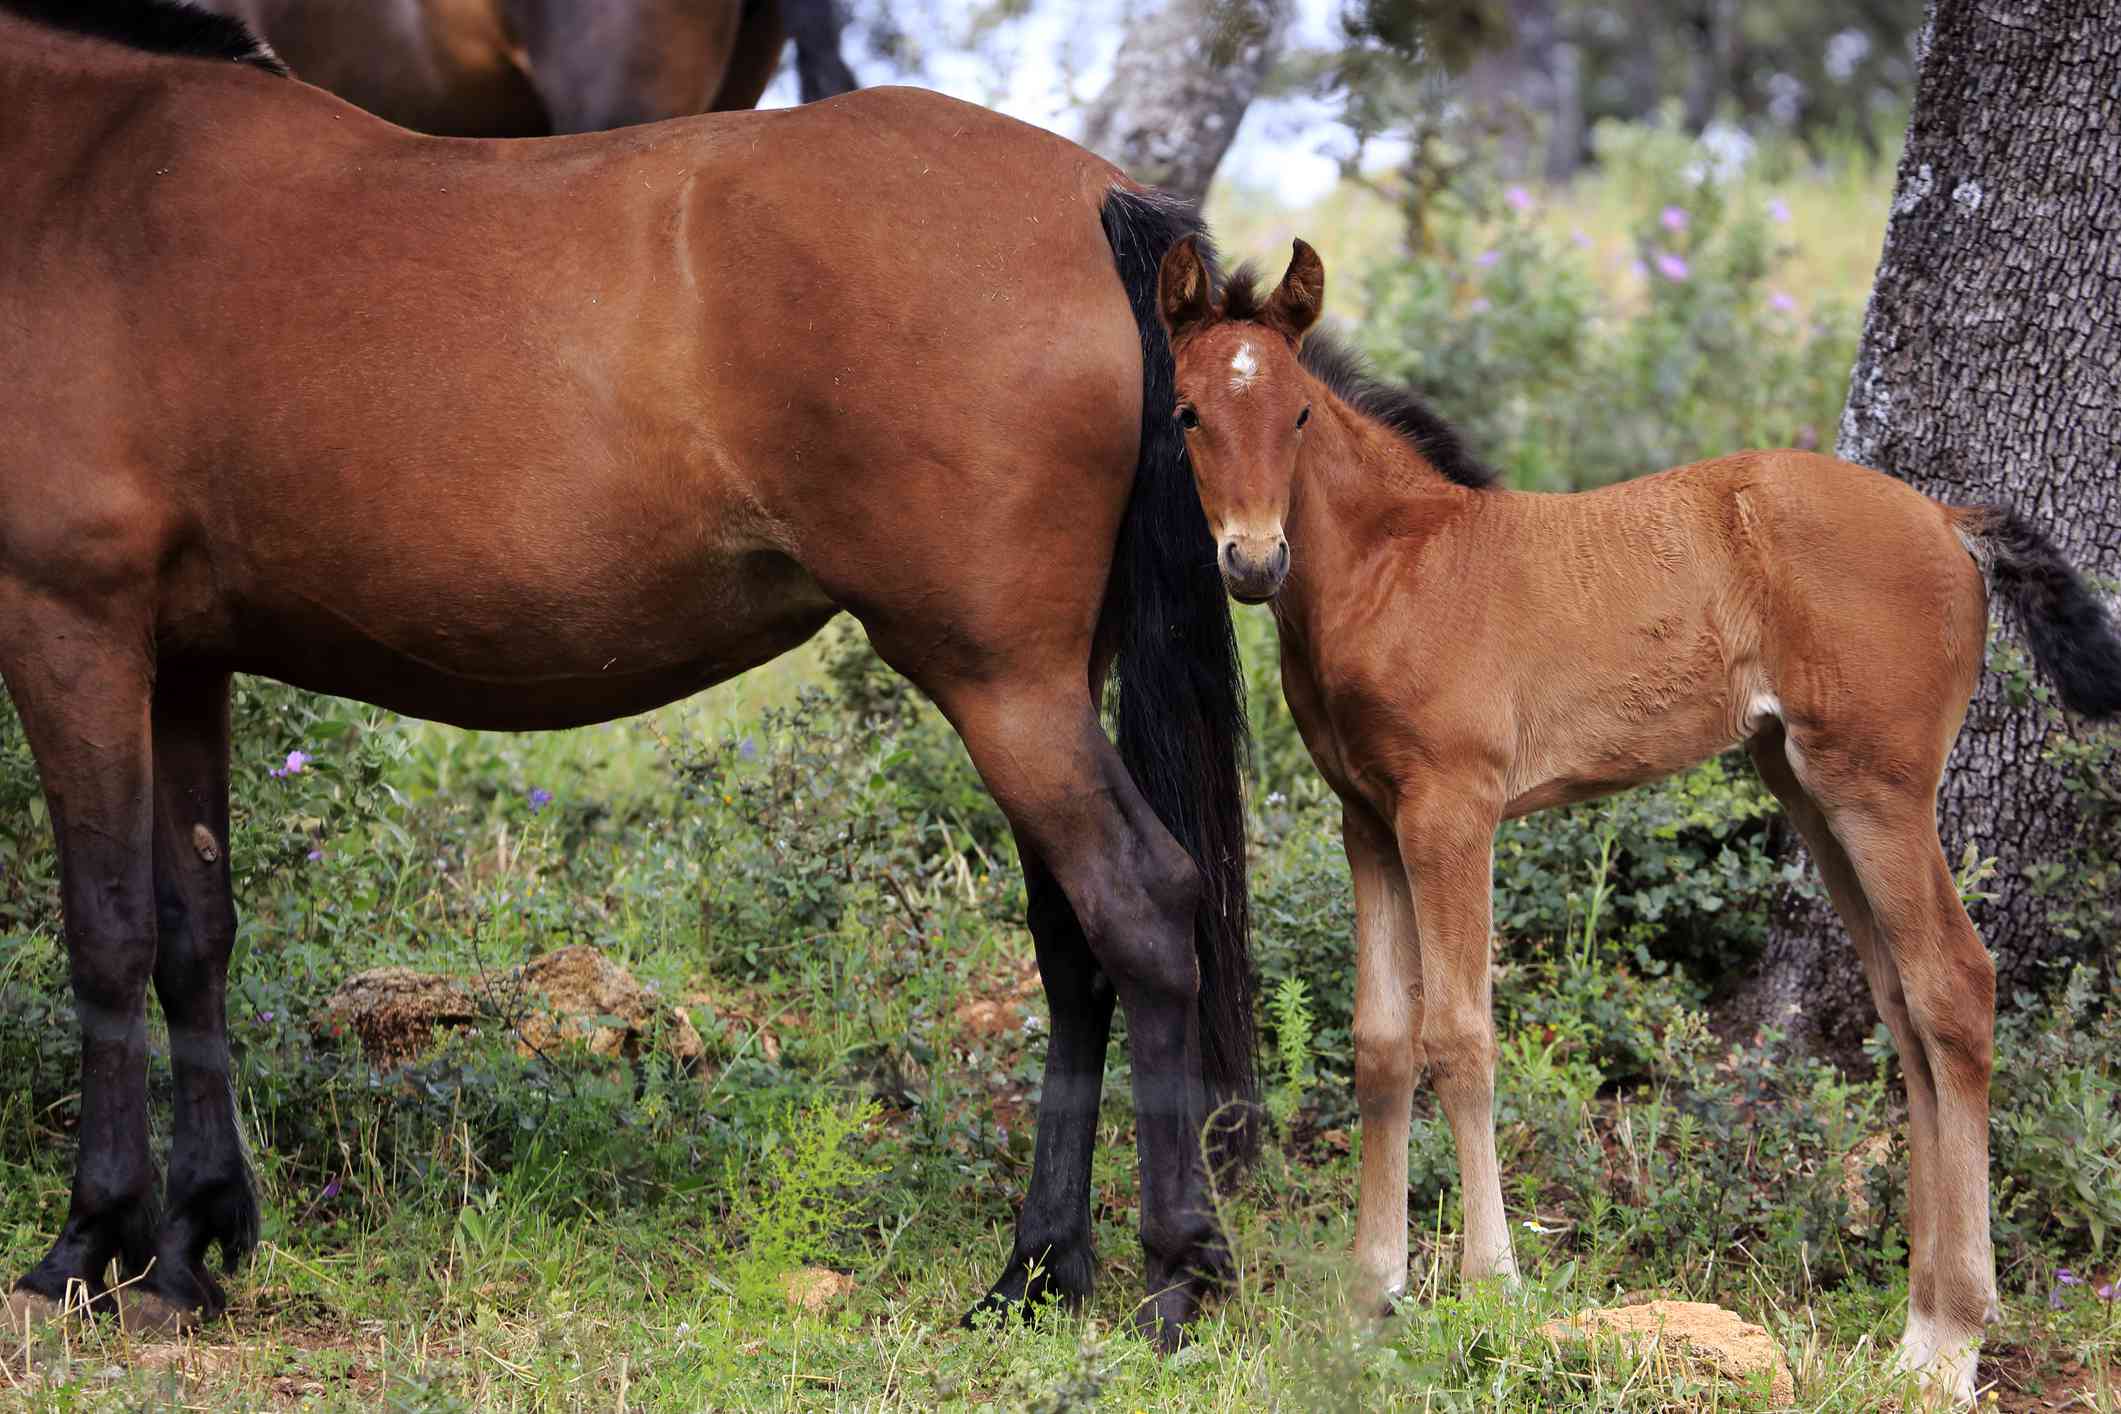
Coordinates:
x,y
1044,66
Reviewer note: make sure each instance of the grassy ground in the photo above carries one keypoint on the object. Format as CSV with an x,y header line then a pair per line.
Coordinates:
x,y
841,921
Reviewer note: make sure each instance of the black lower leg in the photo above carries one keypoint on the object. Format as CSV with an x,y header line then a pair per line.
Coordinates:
x,y
1053,1253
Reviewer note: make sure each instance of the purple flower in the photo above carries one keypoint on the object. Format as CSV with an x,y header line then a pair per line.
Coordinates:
x,y
2066,1277
265,1016
539,799
296,761
1487,258
1778,211
748,749
2104,1291
1673,218
331,1191
1520,200
1581,237
316,856
1781,303
1672,267
1478,306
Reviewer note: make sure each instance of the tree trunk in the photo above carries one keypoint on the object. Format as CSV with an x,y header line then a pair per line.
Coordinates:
x,y
1185,74
1990,371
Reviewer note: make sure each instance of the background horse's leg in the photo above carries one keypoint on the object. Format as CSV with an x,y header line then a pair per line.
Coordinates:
x,y
1053,1251
211,1200
1047,762
754,58
1946,982
1839,873
1388,1051
81,688
1448,844
606,66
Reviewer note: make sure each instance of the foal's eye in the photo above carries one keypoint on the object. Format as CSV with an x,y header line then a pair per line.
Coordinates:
x,y
1188,418
1304,416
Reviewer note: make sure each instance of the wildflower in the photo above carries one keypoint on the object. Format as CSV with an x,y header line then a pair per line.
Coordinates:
x,y
1581,237
1778,211
2104,1291
1637,268
539,798
265,1016
748,749
1781,303
2063,1277
331,1191
1520,200
1673,218
1479,306
296,761
1672,267
1487,258
316,856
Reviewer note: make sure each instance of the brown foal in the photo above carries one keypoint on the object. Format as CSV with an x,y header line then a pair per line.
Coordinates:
x,y
1456,654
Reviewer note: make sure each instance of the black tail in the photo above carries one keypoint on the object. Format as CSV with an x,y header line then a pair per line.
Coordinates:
x,y
814,25
2072,636
1181,695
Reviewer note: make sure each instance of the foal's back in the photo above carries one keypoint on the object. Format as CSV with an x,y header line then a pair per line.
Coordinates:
x,y
1621,634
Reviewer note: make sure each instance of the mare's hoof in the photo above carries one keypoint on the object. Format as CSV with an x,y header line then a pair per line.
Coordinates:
x,y
143,1313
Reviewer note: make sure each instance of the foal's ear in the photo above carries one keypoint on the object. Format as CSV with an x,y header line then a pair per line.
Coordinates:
x,y
1295,304
1182,296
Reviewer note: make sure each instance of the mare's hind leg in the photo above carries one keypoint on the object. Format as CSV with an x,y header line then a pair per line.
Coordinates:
x,y
1053,1252
81,688
1934,983
210,1198
1133,889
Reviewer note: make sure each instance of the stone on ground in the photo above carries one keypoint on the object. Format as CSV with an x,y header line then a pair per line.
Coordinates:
x,y
815,1288
1696,1331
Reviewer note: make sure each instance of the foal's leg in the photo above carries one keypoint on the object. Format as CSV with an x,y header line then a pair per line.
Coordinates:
x,y
1932,970
211,1201
1047,762
1388,1051
1839,874
1448,847
81,688
1053,1252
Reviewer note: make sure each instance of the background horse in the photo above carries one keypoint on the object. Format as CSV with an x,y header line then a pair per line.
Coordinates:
x,y
527,68
529,435
1455,654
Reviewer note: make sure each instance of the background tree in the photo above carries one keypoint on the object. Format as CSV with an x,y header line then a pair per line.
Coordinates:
x,y
1990,370
1183,78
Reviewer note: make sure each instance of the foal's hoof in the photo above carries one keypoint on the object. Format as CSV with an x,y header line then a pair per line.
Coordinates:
x,y
144,1313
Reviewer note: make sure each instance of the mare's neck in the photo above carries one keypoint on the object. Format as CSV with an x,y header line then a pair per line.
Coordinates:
x,y
1361,494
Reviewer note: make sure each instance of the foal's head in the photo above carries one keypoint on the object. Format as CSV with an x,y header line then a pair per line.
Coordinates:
x,y
1244,402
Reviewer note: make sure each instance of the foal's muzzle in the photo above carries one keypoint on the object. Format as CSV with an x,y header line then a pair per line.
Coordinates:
x,y
1254,567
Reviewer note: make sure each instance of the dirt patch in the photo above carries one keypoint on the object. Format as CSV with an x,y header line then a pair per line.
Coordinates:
x,y
573,994
1000,1008
815,1288
1694,1331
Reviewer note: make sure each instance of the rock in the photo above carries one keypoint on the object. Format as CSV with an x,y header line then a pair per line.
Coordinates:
x,y
395,1011
575,993
815,1288
1856,1165
1693,1330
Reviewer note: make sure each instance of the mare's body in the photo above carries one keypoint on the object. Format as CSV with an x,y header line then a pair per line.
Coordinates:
x,y
1455,654
527,68
526,435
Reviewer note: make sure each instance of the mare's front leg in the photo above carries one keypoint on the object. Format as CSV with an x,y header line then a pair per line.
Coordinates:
x,y
1388,1050
1053,1251
210,1198
1134,890
81,686
1448,846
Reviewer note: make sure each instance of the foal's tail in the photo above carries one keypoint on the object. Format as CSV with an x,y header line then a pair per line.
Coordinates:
x,y
1181,699
2072,636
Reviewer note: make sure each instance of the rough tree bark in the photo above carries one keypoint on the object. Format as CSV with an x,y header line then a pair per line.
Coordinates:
x,y
1990,370
1186,73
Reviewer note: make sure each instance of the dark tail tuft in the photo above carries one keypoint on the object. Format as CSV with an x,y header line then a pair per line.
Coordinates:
x,y
2072,637
1181,702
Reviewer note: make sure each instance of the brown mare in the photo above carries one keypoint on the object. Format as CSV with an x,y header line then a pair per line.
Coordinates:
x,y
523,435
529,68
1456,654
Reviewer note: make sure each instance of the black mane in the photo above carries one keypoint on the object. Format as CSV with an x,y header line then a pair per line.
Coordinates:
x,y
158,26
1342,370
